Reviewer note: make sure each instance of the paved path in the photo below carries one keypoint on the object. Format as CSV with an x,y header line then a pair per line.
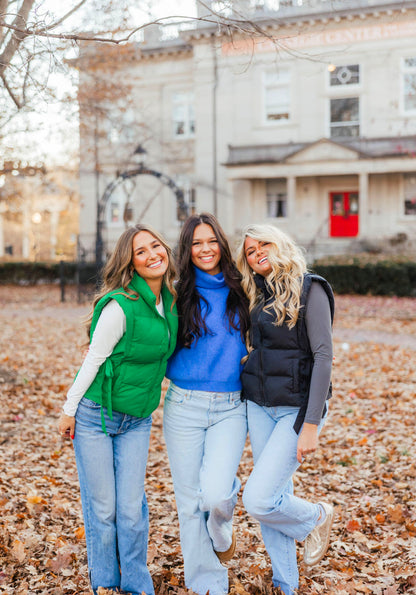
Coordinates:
x,y
366,336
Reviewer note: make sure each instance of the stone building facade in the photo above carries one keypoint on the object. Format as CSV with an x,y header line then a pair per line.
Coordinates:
x,y
308,123
39,213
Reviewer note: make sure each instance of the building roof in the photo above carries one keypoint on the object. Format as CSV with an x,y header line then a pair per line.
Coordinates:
x,y
253,18
366,148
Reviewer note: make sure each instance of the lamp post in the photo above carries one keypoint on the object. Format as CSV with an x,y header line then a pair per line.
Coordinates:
x,y
99,240
99,223
139,156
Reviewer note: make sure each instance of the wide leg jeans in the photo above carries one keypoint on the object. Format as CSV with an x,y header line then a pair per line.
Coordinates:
x,y
268,494
205,433
111,472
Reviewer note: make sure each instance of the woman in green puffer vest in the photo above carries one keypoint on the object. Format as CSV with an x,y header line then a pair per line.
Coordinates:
x,y
108,408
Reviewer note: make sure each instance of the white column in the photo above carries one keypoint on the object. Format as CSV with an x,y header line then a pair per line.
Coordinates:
x,y
363,230
2,210
236,211
54,227
26,231
291,196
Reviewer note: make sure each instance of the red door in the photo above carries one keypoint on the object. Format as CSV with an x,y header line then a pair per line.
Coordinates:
x,y
343,208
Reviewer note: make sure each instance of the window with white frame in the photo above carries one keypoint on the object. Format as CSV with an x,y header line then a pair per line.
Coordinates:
x,y
115,212
115,209
410,194
344,75
119,124
276,197
190,199
344,106
111,131
345,117
183,115
409,84
277,95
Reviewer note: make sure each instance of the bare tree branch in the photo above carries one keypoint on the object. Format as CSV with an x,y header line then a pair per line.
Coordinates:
x,y
67,15
22,71
17,103
15,40
26,79
237,24
3,6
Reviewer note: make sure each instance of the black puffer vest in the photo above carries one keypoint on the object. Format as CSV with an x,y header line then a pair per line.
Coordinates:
x,y
278,370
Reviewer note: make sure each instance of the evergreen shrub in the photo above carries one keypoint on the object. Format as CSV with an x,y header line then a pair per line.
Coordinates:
x,y
379,278
34,273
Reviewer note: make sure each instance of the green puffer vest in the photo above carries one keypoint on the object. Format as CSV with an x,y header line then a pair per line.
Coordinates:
x,y
129,381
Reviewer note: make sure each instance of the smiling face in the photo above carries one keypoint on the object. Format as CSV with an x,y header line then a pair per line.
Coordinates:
x,y
256,253
150,259
206,252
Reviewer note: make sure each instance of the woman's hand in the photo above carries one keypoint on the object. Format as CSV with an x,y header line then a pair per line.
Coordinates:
x,y
307,441
66,425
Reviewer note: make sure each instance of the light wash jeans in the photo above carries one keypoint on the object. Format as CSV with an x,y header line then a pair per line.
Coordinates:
x,y
111,472
268,494
205,433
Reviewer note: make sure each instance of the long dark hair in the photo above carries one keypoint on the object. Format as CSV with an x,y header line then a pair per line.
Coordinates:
x,y
192,325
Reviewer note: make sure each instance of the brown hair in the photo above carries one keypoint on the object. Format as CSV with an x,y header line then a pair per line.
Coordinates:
x,y
118,271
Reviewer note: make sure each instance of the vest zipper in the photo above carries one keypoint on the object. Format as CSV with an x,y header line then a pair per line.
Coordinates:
x,y
261,365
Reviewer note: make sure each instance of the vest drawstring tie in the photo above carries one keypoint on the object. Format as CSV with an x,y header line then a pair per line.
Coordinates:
x,y
108,383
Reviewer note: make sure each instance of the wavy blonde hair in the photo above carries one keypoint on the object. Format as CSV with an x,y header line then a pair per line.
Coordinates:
x,y
286,277
119,270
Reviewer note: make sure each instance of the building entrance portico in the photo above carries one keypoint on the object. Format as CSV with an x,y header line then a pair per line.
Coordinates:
x,y
324,192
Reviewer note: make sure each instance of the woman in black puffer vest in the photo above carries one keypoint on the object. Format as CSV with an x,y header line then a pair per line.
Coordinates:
x,y
286,382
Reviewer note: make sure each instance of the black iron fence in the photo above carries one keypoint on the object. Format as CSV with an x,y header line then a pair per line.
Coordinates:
x,y
87,275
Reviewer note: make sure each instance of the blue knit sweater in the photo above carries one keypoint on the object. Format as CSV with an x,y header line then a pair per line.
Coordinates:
x,y
212,363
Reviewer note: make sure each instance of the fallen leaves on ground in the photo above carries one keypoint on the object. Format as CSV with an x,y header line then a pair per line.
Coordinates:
x,y
365,464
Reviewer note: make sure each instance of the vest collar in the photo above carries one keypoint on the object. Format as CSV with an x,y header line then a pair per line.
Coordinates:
x,y
261,284
139,285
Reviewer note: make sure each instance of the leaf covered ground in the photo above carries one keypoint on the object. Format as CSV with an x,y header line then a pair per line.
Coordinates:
x,y
365,464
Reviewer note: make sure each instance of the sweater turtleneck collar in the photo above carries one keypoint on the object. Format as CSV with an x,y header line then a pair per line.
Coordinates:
x,y
207,281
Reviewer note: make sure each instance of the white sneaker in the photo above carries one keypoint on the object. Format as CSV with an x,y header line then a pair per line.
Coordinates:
x,y
317,541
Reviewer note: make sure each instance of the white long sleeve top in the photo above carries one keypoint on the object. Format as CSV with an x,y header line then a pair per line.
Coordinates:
x,y
110,327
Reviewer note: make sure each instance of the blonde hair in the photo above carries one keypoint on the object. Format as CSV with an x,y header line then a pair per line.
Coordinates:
x,y
119,270
284,281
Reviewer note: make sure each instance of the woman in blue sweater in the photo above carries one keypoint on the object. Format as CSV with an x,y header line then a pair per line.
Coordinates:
x,y
204,422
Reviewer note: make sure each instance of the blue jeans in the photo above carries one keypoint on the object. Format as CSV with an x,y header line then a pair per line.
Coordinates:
x,y
111,472
268,494
205,433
